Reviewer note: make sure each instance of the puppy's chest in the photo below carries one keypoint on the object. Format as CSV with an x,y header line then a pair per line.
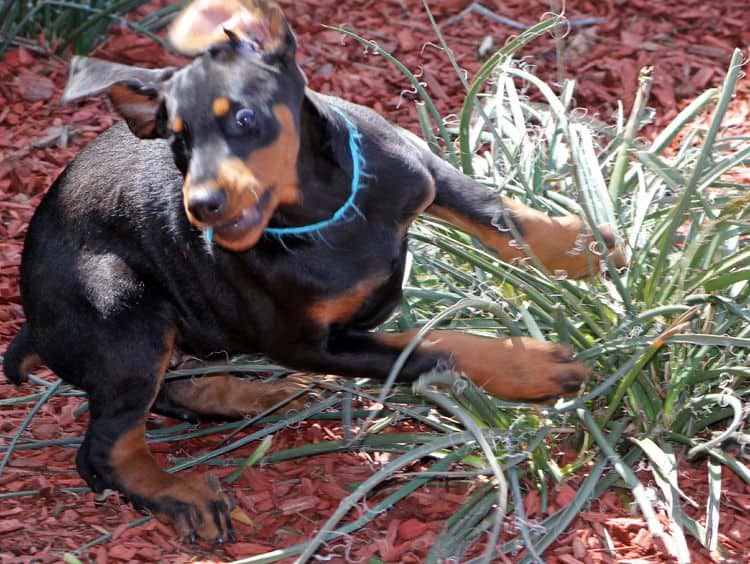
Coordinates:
x,y
359,284
339,308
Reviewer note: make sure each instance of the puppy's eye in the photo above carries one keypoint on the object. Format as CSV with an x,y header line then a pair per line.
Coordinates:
x,y
244,119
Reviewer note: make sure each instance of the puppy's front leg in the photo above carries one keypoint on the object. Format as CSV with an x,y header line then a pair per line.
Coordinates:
x,y
563,245
516,368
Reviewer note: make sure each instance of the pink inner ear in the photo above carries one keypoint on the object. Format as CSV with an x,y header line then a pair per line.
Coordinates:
x,y
249,27
202,23
207,20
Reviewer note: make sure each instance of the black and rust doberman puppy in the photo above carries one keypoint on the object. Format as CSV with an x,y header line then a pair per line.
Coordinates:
x,y
189,229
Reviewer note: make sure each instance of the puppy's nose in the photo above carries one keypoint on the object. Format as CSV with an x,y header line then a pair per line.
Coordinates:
x,y
207,204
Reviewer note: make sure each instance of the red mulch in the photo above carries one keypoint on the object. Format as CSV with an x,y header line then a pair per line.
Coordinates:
x,y
689,43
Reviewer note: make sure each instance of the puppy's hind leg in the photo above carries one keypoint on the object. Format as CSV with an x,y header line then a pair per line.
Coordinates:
x,y
122,374
226,396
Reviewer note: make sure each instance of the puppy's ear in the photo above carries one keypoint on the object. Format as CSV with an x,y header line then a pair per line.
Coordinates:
x,y
284,46
135,93
257,24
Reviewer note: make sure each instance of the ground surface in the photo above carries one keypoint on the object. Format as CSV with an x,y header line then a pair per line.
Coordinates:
x,y
688,42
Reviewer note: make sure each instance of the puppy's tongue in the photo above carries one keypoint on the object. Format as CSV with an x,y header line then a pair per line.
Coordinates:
x,y
237,225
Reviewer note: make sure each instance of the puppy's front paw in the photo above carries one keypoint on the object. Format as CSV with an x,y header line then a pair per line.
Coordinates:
x,y
516,368
584,255
551,371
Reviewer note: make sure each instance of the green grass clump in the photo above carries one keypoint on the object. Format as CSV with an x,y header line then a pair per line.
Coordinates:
x,y
668,336
78,25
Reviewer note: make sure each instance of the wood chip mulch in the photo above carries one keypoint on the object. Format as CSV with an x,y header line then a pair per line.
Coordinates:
x,y
689,44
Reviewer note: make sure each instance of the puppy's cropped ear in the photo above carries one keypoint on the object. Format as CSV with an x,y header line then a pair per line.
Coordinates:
x,y
135,93
258,24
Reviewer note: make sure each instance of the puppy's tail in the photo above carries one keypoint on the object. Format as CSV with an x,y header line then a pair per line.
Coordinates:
x,y
20,358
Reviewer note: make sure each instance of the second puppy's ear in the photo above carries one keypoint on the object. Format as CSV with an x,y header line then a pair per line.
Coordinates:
x,y
257,23
135,93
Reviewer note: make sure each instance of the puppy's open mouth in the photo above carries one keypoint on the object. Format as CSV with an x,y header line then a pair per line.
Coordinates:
x,y
245,220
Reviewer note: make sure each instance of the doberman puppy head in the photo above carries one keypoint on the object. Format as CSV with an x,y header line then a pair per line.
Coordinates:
x,y
231,116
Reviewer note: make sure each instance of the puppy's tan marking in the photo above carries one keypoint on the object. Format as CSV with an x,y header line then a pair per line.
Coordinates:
x,y
178,125
341,308
220,106
29,364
